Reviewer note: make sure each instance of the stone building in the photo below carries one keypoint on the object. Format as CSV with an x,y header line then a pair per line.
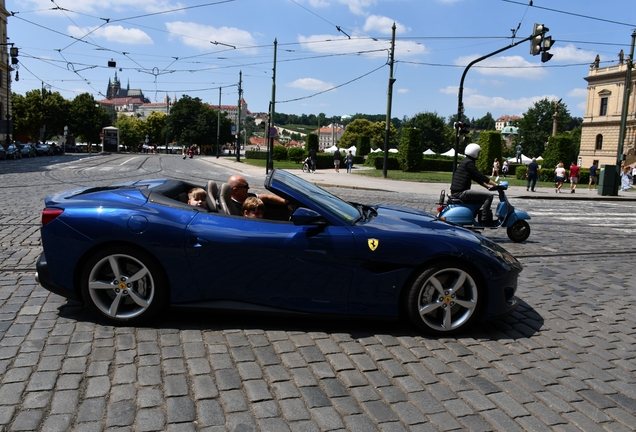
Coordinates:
x,y
603,110
329,135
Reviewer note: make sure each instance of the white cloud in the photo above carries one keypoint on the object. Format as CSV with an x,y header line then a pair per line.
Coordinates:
x,y
497,103
200,36
311,84
318,3
578,93
454,90
72,7
402,90
357,6
113,33
570,53
329,44
383,25
510,66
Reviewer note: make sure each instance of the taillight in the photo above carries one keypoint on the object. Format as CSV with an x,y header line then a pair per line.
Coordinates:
x,y
49,214
440,208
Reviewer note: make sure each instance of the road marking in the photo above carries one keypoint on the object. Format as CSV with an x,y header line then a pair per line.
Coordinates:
x,y
128,160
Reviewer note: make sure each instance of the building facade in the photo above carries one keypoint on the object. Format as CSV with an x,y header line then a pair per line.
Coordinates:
x,y
5,76
329,136
601,124
231,111
504,121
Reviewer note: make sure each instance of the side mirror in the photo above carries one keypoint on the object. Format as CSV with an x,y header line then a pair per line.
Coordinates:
x,y
305,216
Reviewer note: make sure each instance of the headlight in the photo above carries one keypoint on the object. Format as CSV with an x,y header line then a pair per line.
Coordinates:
x,y
496,250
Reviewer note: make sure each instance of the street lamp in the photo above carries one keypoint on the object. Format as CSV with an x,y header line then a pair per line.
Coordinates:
x,y
13,51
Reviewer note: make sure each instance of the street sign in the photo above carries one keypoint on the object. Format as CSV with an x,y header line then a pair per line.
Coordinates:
x,y
273,131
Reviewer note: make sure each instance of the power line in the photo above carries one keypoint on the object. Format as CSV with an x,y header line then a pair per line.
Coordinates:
x,y
531,4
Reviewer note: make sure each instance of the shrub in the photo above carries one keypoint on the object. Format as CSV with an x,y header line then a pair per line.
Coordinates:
x,y
296,154
279,153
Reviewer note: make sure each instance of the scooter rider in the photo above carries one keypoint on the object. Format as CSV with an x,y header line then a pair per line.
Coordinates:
x,y
467,171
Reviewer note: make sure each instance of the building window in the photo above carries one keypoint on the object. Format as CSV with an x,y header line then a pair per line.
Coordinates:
x,y
603,106
599,142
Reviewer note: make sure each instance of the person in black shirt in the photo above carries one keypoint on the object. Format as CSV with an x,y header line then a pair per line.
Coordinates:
x,y
466,172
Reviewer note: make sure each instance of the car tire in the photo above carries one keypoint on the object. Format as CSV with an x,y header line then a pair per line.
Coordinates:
x,y
445,299
124,285
519,231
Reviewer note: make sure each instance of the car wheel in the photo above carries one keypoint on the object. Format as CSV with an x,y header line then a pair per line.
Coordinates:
x,y
445,299
519,231
124,285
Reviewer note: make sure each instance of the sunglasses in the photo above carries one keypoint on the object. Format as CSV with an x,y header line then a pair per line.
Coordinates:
x,y
246,186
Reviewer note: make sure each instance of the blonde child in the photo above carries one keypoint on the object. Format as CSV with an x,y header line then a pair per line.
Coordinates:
x,y
253,208
197,197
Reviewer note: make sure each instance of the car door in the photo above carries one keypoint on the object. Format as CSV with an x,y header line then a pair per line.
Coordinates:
x,y
271,263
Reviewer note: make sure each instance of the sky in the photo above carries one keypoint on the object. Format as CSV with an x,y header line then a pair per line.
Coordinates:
x,y
321,56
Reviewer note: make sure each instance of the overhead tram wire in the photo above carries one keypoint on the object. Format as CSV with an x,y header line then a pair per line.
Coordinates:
x,y
531,4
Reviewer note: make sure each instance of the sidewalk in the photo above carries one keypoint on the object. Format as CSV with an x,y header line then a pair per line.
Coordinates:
x,y
329,178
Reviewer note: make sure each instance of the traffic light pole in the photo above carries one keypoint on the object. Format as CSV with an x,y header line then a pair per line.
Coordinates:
x,y
460,104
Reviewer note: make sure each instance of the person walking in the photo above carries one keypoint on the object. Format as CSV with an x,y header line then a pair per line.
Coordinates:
x,y
312,161
574,176
349,161
532,174
495,168
337,157
560,177
504,168
593,177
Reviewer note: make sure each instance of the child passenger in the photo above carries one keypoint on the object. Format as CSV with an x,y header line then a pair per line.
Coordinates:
x,y
197,197
253,208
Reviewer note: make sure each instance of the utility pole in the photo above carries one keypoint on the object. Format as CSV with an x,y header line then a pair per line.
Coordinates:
x,y
238,119
628,82
218,126
272,107
388,105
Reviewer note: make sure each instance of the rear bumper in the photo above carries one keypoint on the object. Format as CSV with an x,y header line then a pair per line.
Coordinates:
x,y
43,277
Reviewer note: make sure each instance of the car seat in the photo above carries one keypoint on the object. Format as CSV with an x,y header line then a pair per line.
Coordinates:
x,y
212,196
225,201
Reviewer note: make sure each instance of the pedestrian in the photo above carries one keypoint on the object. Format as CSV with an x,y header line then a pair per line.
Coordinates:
x,y
349,161
626,178
634,175
574,176
495,168
559,177
504,168
337,156
312,161
593,176
532,174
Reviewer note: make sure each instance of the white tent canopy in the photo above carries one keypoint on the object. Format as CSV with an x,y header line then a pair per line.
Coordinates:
x,y
429,152
451,152
524,159
331,149
352,149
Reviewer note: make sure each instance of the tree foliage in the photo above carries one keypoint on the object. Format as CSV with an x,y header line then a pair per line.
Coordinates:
x,y
375,131
410,153
37,109
536,126
432,131
87,118
560,148
193,122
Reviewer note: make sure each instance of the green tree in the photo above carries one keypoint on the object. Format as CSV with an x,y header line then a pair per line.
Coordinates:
x,y
560,148
192,122
39,109
432,131
356,129
410,154
536,126
87,118
485,123
130,134
156,127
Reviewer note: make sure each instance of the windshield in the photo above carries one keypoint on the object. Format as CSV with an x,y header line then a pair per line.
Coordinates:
x,y
312,196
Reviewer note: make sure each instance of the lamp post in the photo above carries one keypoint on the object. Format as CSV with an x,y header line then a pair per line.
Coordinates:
x,y
13,53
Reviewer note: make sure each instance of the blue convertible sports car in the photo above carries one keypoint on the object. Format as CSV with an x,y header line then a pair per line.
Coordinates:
x,y
130,250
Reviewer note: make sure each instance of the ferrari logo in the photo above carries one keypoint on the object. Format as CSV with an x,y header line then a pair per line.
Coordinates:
x,y
373,244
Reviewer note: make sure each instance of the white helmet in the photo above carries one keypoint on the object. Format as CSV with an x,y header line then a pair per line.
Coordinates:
x,y
472,150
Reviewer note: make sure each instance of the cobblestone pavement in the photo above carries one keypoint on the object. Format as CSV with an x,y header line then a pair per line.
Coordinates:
x,y
564,361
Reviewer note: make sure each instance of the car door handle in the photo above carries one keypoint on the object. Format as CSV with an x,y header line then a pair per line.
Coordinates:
x,y
197,242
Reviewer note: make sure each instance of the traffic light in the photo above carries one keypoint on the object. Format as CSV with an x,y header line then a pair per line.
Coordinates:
x,y
540,43
547,44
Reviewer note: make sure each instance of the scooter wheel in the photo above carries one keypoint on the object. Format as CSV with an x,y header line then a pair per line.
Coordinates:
x,y
519,231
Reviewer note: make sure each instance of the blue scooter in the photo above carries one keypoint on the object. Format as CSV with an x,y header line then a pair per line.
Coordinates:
x,y
468,214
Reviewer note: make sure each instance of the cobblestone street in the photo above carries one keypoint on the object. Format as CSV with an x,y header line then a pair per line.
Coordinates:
x,y
565,360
